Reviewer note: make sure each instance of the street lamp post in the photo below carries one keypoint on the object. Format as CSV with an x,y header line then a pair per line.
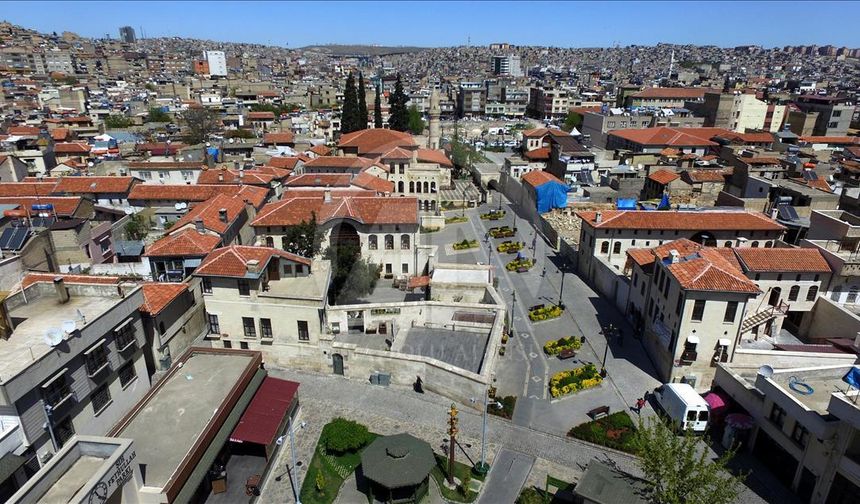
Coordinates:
x,y
482,467
513,307
561,289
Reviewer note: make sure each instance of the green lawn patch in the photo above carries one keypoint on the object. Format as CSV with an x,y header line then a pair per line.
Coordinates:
x,y
334,469
440,474
466,244
456,220
615,431
507,409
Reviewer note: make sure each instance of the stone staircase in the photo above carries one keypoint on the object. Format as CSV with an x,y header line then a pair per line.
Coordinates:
x,y
763,316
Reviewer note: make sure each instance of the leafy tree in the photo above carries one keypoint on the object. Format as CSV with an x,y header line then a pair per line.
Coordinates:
x,y
303,239
342,435
462,154
199,122
416,122
156,114
70,80
115,121
398,117
349,111
352,276
239,133
150,86
362,104
573,120
136,228
377,110
320,482
677,469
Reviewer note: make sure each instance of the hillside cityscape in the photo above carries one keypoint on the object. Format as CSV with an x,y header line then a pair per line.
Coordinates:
x,y
483,273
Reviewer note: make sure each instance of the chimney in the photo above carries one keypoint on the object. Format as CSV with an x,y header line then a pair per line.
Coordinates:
x,y
198,224
236,165
221,177
62,291
675,256
253,266
598,217
251,210
327,195
222,214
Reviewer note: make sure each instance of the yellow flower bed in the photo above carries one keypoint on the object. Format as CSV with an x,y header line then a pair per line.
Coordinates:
x,y
553,347
574,380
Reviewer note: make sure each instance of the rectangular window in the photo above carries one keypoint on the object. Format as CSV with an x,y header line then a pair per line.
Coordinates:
x,y
207,285
288,269
800,435
214,326
698,310
635,280
124,336
64,430
145,175
266,328
248,327
731,311
777,415
244,287
100,398
96,359
678,306
304,334
404,268
388,269
57,391
127,373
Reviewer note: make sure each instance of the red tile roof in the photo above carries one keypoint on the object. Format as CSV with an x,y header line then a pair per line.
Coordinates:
x,y
376,141
536,178
157,295
23,131
93,185
13,189
63,206
369,210
832,140
714,220
673,93
187,242
32,278
682,137
789,260
232,261
288,162
434,156
320,180
663,176
374,183
279,138
539,132
60,134
320,150
71,148
209,212
339,162
541,154
231,176
708,270
193,193
264,116
755,137
646,256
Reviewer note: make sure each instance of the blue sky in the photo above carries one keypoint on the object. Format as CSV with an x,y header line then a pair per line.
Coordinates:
x,y
573,24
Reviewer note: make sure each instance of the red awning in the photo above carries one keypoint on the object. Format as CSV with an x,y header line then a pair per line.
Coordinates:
x,y
259,424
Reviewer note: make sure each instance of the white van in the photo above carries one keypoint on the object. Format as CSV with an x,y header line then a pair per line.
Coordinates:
x,y
684,407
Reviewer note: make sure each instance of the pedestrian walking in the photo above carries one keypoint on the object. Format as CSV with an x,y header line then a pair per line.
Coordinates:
x,y
640,403
543,273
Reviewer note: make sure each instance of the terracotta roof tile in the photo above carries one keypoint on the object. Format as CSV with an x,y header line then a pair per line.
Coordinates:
x,y
195,193
374,183
715,220
539,132
541,154
60,134
13,189
321,150
832,140
32,278
71,148
264,116
320,180
376,141
789,260
157,295
369,210
63,206
434,156
187,242
279,138
287,162
663,176
339,162
93,185
681,137
536,178
232,261
209,212
231,176
708,270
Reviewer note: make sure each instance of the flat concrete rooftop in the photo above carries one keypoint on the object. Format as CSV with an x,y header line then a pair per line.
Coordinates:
x,y
75,477
461,276
27,343
824,382
313,286
173,418
462,349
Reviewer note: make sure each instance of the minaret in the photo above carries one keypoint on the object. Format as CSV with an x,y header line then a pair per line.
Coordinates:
x,y
435,111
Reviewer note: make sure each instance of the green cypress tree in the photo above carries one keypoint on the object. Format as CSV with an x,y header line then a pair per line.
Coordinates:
x,y
398,118
349,111
377,110
362,104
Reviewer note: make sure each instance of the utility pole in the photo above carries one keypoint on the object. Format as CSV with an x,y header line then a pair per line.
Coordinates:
x,y
482,467
452,433
561,290
513,307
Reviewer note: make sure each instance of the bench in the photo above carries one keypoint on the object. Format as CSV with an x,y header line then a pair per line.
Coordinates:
x,y
600,410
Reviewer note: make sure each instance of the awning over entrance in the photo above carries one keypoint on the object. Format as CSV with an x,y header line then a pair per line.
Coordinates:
x,y
259,424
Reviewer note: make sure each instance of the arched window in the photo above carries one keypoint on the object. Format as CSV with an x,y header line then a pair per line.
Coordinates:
x,y
404,242
372,242
616,249
754,244
389,242
768,244
411,186
400,186
604,247
793,293
852,294
432,187
426,187
812,293
433,205
728,244
418,187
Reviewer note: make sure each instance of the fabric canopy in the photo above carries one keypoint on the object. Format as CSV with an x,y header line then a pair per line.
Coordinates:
x,y
259,424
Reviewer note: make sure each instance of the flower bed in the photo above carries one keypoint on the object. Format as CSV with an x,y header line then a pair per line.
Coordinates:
x,y
501,232
615,431
518,264
465,244
456,220
554,347
494,215
510,247
574,380
545,313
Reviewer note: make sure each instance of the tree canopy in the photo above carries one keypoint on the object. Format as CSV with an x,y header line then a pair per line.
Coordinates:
x,y
362,104
573,120
352,277
677,468
199,123
416,121
342,435
398,116
118,121
156,114
303,239
377,109
349,111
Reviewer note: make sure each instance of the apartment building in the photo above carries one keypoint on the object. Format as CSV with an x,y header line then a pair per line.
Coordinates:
x,y
262,298
166,172
471,99
836,234
548,103
71,358
597,125
507,65
741,112
821,115
217,63
666,97
806,427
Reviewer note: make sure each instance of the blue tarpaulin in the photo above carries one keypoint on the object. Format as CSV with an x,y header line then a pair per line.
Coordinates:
x,y
551,195
214,153
664,203
852,377
625,204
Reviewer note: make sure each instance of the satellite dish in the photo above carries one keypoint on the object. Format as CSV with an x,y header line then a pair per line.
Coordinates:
x,y
69,326
128,210
53,337
178,206
765,371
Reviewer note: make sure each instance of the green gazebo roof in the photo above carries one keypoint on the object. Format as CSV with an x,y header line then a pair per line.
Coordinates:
x,y
397,461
